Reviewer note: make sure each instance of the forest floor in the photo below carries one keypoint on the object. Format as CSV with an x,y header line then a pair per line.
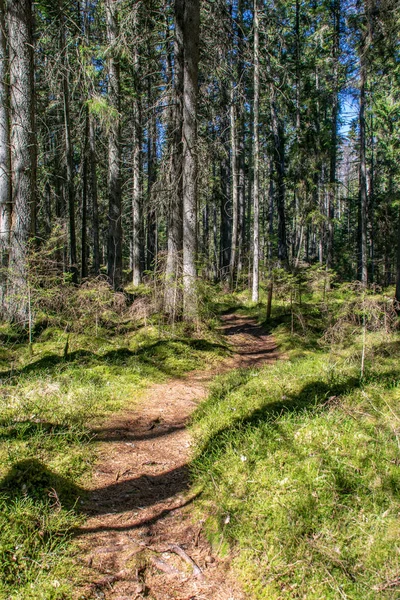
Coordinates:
x,y
140,539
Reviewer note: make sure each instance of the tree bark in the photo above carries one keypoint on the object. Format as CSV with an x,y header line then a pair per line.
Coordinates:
x,y
172,299
371,200
69,149
256,151
5,159
333,148
241,145
279,162
363,269
189,164
214,224
225,212
398,264
84,246
151,225
136,173
137,198
235,190
94,195
241,199
114,247
23,154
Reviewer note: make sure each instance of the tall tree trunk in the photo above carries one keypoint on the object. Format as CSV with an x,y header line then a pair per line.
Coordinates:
x,y
189,163
172,298
23,154
69,149
225,191
235,190
5,159
84,246
363,270
371,200
114,247
398,263
215,224
94,195
136,170
241,199
256,151
151,229
298,175
333,147
271,195
225,212
279,162
136,203
248,199
298,55
241,149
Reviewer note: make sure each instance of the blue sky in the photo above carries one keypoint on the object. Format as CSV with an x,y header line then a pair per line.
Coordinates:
x,y
349,110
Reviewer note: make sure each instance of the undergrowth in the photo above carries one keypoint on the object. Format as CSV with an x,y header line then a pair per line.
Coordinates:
x,y
298,462
52,392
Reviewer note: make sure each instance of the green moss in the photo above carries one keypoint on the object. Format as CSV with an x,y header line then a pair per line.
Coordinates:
x,y
298,466
49,401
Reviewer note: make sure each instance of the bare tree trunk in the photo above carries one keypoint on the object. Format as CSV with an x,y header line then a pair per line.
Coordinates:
x,y
271,194
137,196
225,204
241,199
269,299
256,151
5,159
235,190
398,263
298,54
333,148
172,299
363,271
69,150
371,199
241,150
23,153
206,238
248,205
151,229
214,226
136,170
114,247
189,164
279,161
84,246
94,195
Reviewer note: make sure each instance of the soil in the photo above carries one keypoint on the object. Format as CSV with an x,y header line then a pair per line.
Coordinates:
x,y
140,539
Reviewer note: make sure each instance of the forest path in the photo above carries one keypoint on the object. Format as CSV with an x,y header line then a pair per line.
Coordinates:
x,y
139,538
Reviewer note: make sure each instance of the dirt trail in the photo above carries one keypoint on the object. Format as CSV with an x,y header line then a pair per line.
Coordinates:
x,y
139,537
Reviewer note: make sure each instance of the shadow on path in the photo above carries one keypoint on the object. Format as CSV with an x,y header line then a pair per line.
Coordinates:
x,y
127,480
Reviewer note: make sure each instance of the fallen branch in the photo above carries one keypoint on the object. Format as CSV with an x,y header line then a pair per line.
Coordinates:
x,y
387,585
197,572
164,566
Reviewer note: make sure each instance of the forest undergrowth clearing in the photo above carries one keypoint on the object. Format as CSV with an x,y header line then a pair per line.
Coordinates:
x,y
293,469
298,464
141,538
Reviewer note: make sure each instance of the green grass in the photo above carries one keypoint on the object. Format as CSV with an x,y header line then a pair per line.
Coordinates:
x,y
298,463
49,398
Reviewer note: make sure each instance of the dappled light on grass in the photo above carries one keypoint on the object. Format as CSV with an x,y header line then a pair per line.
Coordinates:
x,y
52,402
299,468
